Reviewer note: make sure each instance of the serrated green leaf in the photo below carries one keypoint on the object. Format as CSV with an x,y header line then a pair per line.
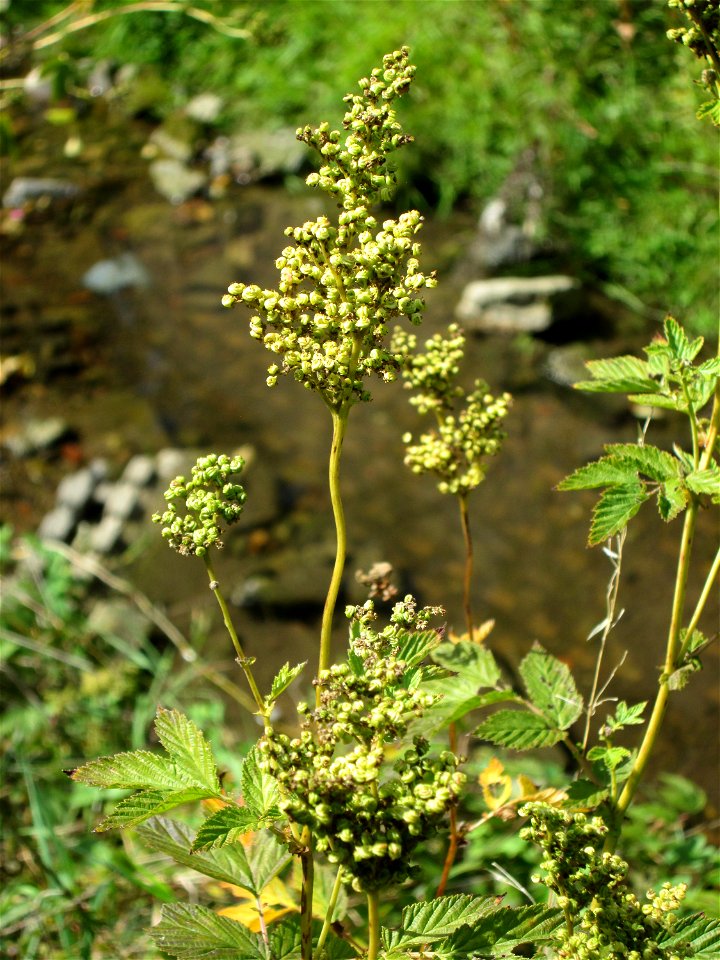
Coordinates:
x,y
626,716
645,459
709,368
150,803
175,839
500,932
672,498
625,374
414,646
663,401
614,510
699,932
130,771
584,795
260,790
551,687
192,932
475,664
600,473
705,481
266,858
680,347
697,640
679,678
227,825
282,681
609,757
711,108
435,919
286,939
519,730
701,390
189,749
458,699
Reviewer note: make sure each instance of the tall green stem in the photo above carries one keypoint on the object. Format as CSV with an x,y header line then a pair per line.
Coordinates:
x,y
373,900
339,419
306,895
337,887
229,626
653,728
467,580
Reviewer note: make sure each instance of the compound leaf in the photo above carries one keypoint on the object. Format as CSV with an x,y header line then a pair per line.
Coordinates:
x,y
130,771
700,933
705,481
227,825
282,681
435,919
141,806
645,459
174,839
187,746
259,789
614,510
551,687
475,664
601,473
498,933
193,932
626,374
519,730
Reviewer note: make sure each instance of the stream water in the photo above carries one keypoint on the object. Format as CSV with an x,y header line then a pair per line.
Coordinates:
x,y
166,365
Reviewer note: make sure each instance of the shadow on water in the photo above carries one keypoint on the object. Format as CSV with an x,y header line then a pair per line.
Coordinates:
x,y
165,365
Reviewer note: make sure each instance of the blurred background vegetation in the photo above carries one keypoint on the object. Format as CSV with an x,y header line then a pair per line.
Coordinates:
x,y
591,99
591,96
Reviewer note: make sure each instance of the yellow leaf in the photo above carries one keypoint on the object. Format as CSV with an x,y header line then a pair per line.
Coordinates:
x,y
496,784
276,901
479,634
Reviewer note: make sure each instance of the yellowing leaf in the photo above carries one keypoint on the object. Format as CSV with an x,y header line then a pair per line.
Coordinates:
x,y
496,784
479,634
276,901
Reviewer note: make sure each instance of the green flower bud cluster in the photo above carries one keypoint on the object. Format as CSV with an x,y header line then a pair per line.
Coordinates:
x,y
456,451
702,33
342,285
210,498
366,815
433,372
606,919
405,616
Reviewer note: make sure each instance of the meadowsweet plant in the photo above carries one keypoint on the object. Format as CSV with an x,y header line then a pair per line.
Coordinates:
x,y
343,285
339,801
467,432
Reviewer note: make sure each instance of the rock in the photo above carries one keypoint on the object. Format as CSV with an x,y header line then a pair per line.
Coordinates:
x,y
36,435
107,535
108,276
175,181
22,190
171,146
205,107
139,471
172,462
122,500
37,86
76,490
566,365
264,153
512,304
59,524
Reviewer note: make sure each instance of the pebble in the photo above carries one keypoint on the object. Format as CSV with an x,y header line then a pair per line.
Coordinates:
x,y
175,181
140,471
108,276
106,536
122,500
59,524
36,435
76,490
24,189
